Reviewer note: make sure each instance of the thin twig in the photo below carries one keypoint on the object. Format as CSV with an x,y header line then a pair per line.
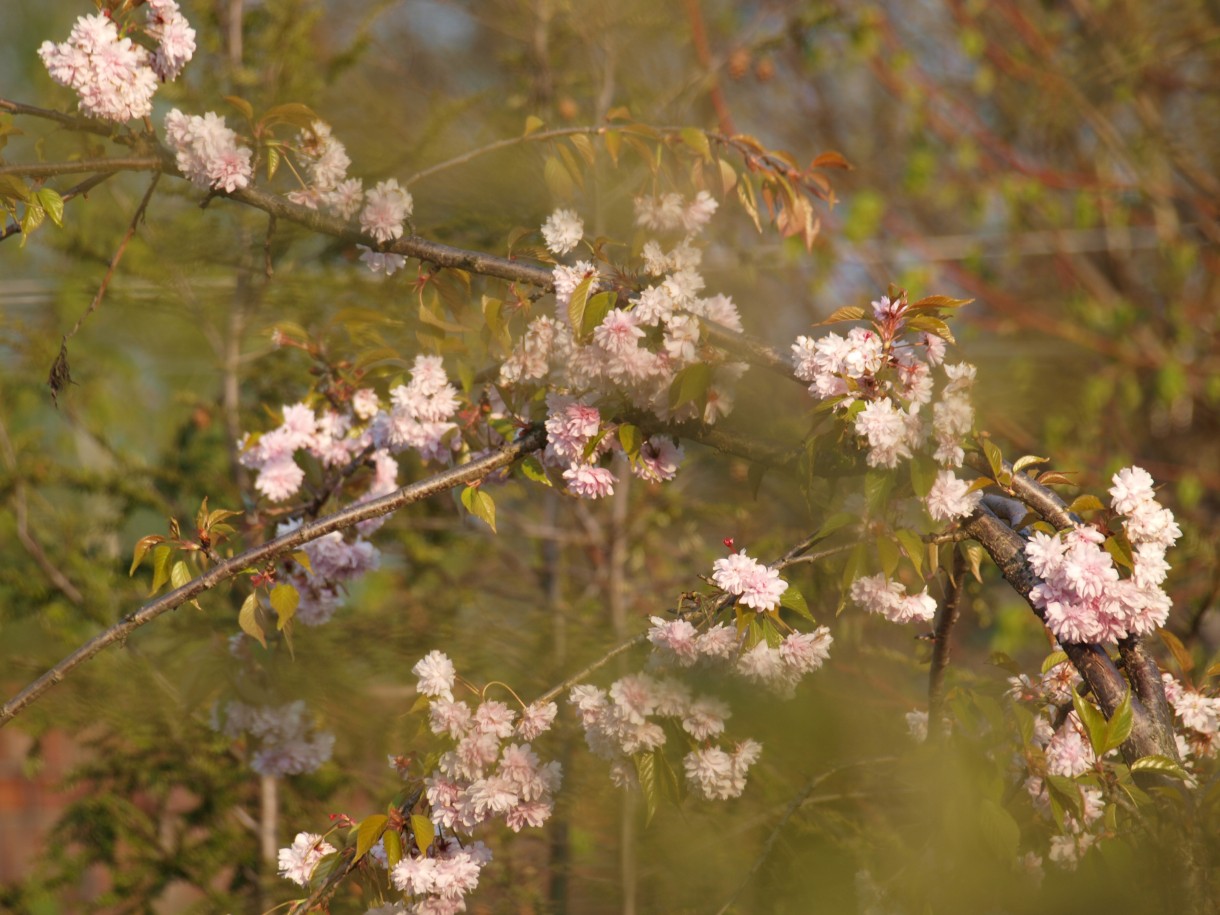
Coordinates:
x,y
946,616
82,166
791,560
14,228
86,125
136,218
794,805
532,440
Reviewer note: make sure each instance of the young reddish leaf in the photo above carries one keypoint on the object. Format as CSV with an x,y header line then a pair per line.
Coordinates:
x,y
932,325
830,159
246,109
846,313
1180,653
292,113
621,113
1085,503
1051,477
940,301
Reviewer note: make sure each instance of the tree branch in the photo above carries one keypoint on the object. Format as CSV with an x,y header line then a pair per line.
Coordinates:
x,y
531,440
1007,548
80,166
946,616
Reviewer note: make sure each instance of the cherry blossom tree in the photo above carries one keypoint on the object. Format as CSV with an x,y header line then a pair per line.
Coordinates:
x,y
594,358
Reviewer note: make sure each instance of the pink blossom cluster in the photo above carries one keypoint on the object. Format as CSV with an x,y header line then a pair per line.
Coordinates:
x,y
623,721
631,358
114,77
1199,716
1081,595
878,594
324,163
333,561
207,152
1068,753
286,741
951,498
563,231
440,880
297,862
890,371
678,643
491,772
417,419
572,426
755,585
716,774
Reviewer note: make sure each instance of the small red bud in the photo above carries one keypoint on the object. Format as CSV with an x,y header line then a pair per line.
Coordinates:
x,y
728,542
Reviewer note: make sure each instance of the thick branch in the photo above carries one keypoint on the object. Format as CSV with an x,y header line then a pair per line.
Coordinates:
x,y
1042,499
530,441
1006,548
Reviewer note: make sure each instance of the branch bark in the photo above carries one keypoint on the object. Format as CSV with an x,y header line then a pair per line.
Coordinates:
x,y
532,440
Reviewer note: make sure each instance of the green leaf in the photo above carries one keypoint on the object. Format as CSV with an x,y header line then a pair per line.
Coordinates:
x,y
690,385
143,545
368,833
301,558
179,574
393,847
533,124
794,600
994,458
1093,720
834,522
577,303
480,504
913,545
1162,764
887,550
878,484
645,770
533,470
161,563
595,312
14,189
1118,549
631,439
1000,831
49,200
1118,728
1053,659
974,556
1027,460
284,601
247,619
923,474
557,179
423,830
696,139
